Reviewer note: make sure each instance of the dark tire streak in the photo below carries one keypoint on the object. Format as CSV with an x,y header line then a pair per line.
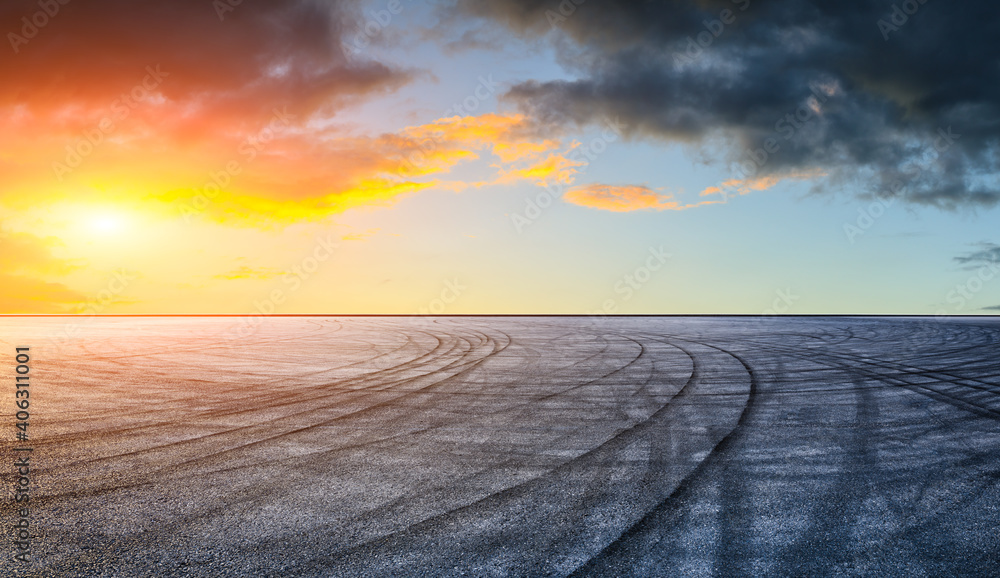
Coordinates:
x,y
619,552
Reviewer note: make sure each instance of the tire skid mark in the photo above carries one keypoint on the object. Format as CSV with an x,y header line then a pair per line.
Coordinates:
x,y
204,439
414,364
956,400
840,509
215,413
251,497
367,444
494,502
619,553
906,513
526,403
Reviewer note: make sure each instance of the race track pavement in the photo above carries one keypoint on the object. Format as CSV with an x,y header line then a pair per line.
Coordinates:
x,y
513,446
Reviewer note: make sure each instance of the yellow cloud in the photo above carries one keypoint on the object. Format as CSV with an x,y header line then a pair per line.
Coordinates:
x,y
22,294
511,152
746,186
27,262
626,198
304,180
263,172
22,252
554,168
361,236
246,272
619,199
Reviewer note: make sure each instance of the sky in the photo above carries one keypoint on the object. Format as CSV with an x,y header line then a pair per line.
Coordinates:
x,y
500,156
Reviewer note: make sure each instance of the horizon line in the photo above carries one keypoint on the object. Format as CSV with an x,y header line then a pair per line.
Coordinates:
x,y
589,315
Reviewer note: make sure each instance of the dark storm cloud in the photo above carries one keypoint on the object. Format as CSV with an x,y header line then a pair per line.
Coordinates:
x,y
992,308
987,253
900,98
229,62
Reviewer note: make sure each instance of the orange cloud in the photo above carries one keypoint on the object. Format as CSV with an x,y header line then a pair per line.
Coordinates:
x,y
511,152
274,172
554,168
746,186
625,198
438,146
216,115
218,70
305,179
119,101
619,199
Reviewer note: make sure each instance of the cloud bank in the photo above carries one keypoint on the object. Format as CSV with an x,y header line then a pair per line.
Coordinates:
x,y
893,99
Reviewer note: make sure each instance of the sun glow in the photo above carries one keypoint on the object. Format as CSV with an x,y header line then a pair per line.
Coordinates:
x,y
106,224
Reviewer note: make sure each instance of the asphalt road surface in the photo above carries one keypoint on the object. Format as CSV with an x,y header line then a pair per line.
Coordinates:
x,y
541,446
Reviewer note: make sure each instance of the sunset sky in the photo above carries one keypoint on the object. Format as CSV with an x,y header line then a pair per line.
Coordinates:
x,y
499,156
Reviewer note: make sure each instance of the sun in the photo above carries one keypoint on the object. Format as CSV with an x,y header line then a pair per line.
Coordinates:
x,y
106,224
